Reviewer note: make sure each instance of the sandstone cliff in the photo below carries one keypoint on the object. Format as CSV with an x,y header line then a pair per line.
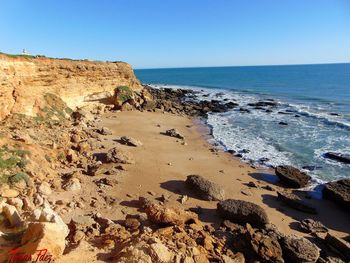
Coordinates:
x,y
25,81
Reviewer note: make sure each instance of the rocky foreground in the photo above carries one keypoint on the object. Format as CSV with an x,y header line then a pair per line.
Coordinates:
x,y
59,154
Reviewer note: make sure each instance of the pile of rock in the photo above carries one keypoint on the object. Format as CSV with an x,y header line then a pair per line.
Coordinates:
x,y
174,101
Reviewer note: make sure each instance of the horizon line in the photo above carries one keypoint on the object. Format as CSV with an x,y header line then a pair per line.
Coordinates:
x,y
231,66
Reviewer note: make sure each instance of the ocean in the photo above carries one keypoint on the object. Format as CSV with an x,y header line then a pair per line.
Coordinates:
x,y
314,102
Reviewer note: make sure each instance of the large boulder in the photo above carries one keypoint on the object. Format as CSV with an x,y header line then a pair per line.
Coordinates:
x,y
47,232
338,192
311,226
123,95
266,248
164,215
339,245
299,250
291,176
44,236
295,202
118,155
242,212
206,189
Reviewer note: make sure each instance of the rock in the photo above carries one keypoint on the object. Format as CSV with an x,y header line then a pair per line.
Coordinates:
x,y
17,202
73,184
267,248
78,236
339,244
252,184
311,167
117,155
299,250
267,103
268,188
295,202
242,212
38,199
23,137
206,189
143,252
45,235
312,226
126,107
239,258
105,131
338,192
283,123
72,156
12,215
244,110
174,133
132,223
9,193
123,96
27,204
246,192
291,176
183,199
130,141
164,215
133,254
340,157
161,253
45,188
82,221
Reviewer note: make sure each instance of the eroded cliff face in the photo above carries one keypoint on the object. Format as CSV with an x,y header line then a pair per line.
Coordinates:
x,y
25,81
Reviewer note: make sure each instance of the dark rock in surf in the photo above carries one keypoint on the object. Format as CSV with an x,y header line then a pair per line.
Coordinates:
x,y
311,167
269,103
338,192
283,123
340,157
243,110
291,176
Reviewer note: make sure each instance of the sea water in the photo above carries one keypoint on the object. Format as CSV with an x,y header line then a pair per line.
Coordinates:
x,y
314,100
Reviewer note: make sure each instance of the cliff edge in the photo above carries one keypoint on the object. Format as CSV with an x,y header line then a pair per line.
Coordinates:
x,y
25,81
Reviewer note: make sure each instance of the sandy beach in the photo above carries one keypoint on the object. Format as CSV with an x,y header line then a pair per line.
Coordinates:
x,y
163,163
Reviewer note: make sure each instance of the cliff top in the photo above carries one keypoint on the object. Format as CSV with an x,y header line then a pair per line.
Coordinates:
x,y
26,57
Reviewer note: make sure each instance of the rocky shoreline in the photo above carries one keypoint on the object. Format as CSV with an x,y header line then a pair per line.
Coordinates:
x,y
178,101
69,154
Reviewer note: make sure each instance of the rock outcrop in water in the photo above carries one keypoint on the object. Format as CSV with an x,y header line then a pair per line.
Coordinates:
x,y
340,157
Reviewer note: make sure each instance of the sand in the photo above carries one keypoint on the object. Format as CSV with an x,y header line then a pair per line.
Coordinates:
x,y
163,163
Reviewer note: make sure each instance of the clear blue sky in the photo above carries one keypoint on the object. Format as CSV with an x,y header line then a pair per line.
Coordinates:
x,y
180,33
